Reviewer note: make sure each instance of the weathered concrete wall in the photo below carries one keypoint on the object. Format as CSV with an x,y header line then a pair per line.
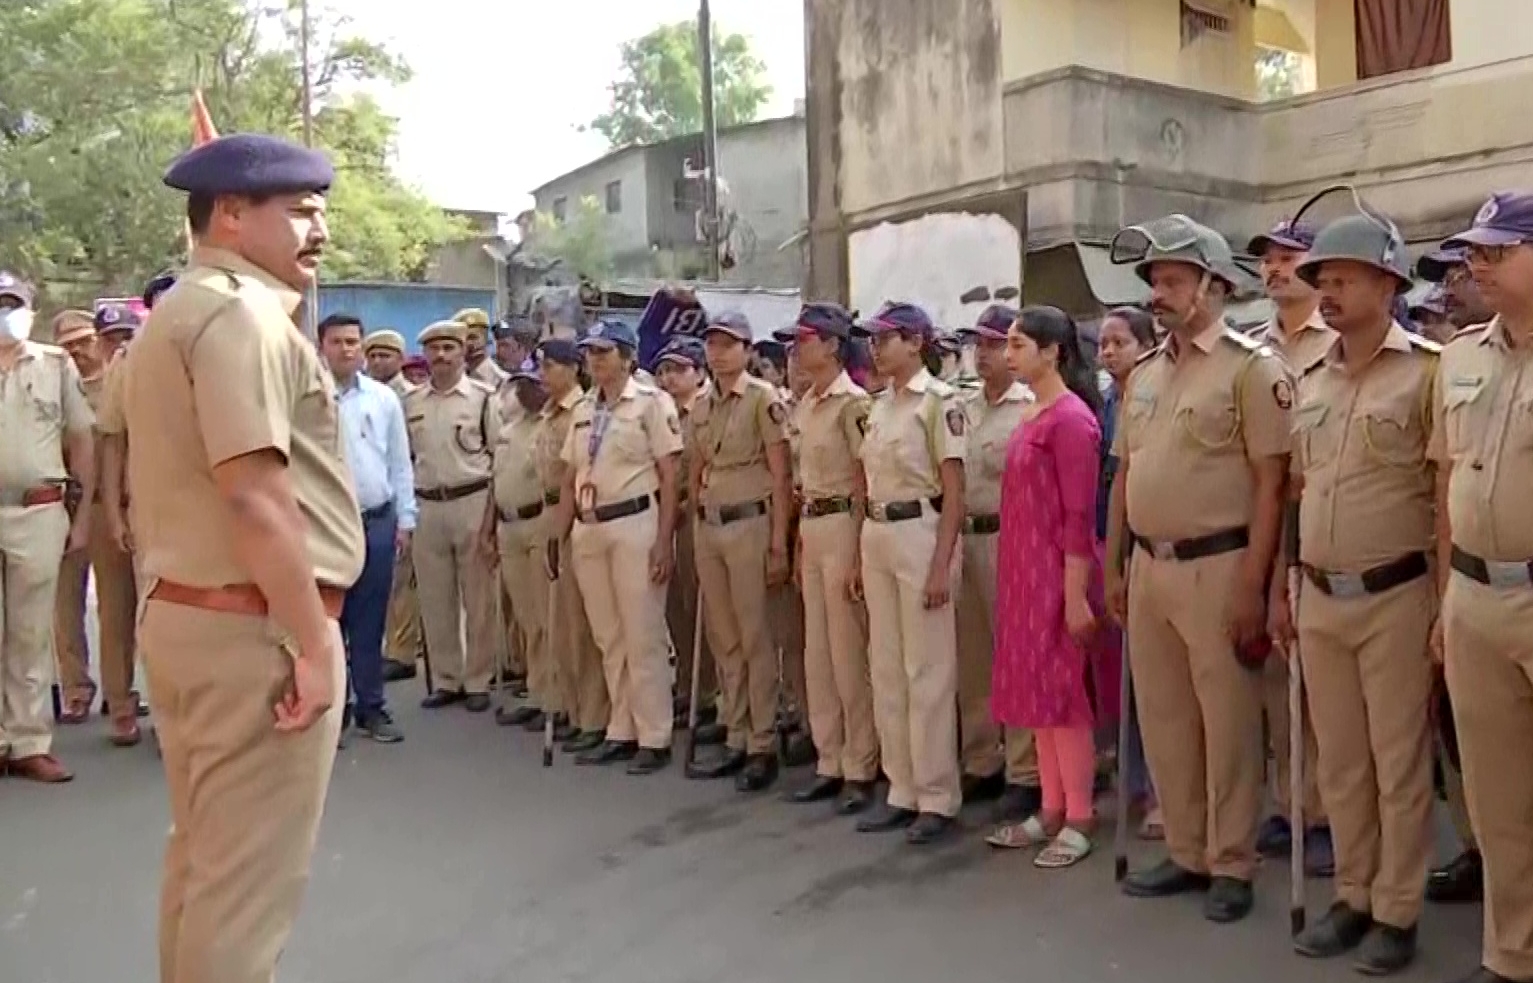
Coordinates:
x,y
933,261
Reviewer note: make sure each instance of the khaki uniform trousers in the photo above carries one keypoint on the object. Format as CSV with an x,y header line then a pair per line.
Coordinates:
x,y
1199,711
453,579
245,801
404,636
980,749
785,626
1275,706
627,615
731,564
1489,663
1368,681
524,587
913,656
680,612
32,544
116,604
510,641
837,678
1453,793
577,661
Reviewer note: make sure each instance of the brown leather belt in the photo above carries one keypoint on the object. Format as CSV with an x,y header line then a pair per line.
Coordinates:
x,y
245,599
983,524
723,515
452,493
901,511
30,497
819,508
1376,580
1492,573
521,513
1196,548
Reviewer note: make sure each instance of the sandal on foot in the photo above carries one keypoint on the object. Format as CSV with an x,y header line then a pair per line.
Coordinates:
x,y
76,709
1153,827
1069,848
1019,836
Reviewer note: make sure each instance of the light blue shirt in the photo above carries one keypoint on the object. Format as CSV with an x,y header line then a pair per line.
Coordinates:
x,y
378,447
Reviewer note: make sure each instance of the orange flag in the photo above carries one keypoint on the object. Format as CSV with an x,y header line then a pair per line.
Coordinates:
x,y
203,131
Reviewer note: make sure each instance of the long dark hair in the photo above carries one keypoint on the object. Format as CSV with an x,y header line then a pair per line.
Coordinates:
x,y
1140,324
1047,326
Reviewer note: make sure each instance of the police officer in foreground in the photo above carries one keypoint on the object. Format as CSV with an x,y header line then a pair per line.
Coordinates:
x,y
1203,445
250,536
1299,333
1483,441
47,422
1362,419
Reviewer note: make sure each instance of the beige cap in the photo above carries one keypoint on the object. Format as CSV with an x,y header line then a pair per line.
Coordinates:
x,y
445,331
384,338
73,325
472,317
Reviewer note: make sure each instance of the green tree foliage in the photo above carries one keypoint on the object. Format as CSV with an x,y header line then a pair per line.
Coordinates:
x,y
1278,74
658,94
95,101
578,242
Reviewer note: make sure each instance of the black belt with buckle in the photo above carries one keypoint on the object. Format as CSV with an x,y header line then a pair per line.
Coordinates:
x,y
616,510
901,511
521,514
1493,573
987,524
725,514
818,508
551,497
383,511
1377,580
1197,548
452,492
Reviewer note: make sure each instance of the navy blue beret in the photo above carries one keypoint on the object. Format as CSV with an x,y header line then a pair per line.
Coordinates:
x,y
250,164
608,332
685,349
561,350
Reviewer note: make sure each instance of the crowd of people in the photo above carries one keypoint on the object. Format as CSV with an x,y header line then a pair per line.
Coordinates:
x,y
939,567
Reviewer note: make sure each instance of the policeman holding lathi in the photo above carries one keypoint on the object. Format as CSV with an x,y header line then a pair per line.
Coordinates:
x,y
1362,418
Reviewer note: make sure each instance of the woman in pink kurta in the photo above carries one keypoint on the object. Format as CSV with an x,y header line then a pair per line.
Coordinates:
x,y
1047,628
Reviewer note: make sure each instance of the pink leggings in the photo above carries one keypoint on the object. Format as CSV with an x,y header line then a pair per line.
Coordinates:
x,y
1066,767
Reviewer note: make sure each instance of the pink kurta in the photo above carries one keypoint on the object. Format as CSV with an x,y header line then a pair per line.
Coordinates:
x,y
1048,511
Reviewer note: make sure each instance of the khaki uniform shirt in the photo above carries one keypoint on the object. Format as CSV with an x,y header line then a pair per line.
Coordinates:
x,y
489,373
1360,444
1194,416
1484,437
221,371
1307,346
831,426
452,433
990,428
400,385
642,429
41,398
109,418
517,482
911,431
732,430
688,439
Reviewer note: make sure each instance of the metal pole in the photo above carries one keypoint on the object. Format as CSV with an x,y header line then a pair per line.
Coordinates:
x,y
308,87
710,140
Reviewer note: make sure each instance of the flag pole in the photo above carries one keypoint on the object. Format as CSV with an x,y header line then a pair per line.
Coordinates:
x,y
311,305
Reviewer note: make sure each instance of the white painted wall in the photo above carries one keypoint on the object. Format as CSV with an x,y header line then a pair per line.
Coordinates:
x,y
932,261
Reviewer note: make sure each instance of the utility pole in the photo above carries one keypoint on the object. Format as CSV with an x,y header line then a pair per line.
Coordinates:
x,y
710,140
308,85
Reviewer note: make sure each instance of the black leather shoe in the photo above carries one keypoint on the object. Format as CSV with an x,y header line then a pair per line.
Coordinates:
x,y
709,735
649,760
800,752
1164,880
823,787
759,773
1229,900
441,698
731,762
393,671
607,752
1018,802
983,788
476,702
929,827
886,819
515,717
563,729
1386,950
535,722
1339,930
855,797
584,740
1459,881
1274,838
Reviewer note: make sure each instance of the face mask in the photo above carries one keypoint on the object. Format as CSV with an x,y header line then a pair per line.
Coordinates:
x,y
16,323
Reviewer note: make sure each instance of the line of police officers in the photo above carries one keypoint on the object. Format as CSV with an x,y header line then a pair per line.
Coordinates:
x,y
1402,459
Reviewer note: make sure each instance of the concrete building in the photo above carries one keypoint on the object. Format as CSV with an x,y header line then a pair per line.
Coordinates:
x,y
997,132
650,204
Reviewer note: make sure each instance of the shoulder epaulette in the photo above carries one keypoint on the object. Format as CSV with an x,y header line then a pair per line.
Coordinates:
x,y
1147,356
53,350
1317,363
1468,330
485,387
1253,345
1425,344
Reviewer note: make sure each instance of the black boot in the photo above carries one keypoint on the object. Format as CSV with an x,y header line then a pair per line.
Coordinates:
x,y
1340,930
759,773
1460,881
649,760
855,798
1229,900
823,787
1164,880
1387,950
731,762
886,819
608,752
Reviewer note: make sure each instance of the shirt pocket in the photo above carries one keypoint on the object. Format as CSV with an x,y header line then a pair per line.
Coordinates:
x,y
992,458
1520,428
468,430
1210,421
1136,415
1463,405
1391,435
46,399
315,411
1315,436
626,433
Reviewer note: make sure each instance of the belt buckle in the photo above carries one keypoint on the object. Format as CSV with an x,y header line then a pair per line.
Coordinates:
x,y
12,497
1506,573
1163,550
879,511
1345,586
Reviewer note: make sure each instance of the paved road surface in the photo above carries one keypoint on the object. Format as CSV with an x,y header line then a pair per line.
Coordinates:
x,y
455,858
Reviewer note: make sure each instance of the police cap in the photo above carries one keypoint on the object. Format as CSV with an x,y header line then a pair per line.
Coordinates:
x,y
15,287
116,317
252,165
733,323
385,338
609,332
445,331
1506,219
561,350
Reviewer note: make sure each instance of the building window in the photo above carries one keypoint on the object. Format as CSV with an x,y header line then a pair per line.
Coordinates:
x,y
561,209
688,195
614,197
1400,35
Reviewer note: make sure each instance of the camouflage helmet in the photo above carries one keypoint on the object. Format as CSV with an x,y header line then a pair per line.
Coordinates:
x,y
1350,230
1176,239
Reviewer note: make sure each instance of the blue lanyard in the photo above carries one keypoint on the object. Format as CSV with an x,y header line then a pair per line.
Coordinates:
x,y
600,420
